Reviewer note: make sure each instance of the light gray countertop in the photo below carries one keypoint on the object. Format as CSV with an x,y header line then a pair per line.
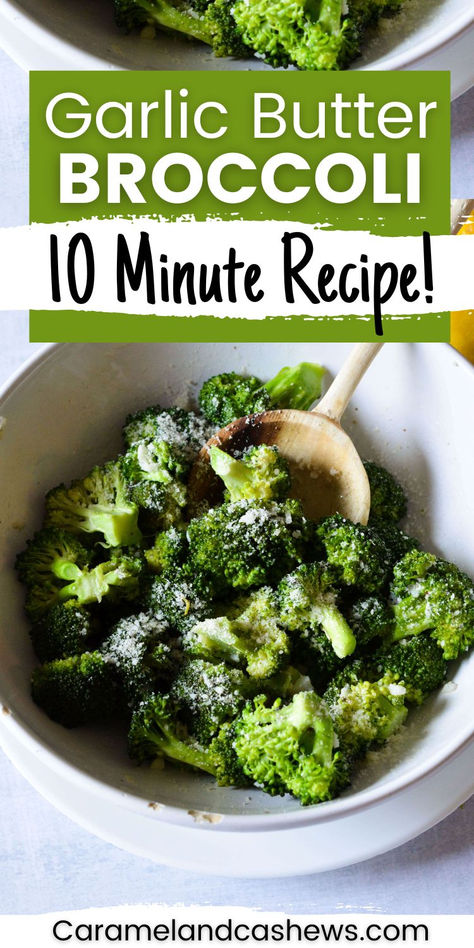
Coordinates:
x,y
50,864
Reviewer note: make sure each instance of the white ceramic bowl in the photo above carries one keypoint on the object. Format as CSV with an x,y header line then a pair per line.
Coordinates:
x,y
64,411
49,34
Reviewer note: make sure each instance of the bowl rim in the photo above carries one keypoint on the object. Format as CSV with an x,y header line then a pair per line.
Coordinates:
x,y
81,59
18,726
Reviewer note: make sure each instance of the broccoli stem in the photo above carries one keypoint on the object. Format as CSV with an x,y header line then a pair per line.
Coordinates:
x,y
179,17
119,526
296,386
64,569
217,635
92,586
183,753
316,730
335,627
330,13
233,472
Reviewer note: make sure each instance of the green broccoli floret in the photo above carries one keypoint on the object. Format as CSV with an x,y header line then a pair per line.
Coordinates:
x,y
208,695
307,599
370,618
143,655
387,498
142,425
155,461
77,690
156,732
262,474
228,396
118,578
285,684
168,551
417,663
184,432
290,748
310,36
54,567
247,544
228,768
63,631
364,712
314,654
160,506
249,636
180,596
99,503
359,552
396,542
52,556
432,595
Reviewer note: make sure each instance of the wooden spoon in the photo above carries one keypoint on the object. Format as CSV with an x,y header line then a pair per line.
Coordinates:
x,y
327,473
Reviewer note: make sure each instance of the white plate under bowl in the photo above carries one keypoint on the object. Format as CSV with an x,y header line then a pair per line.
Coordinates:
x,y
63,413
54,34
307,850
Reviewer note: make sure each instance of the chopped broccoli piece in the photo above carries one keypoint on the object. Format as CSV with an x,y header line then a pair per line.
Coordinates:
x,y
247,544
142,425
118,576
224,398
313,652
160,506
387,498
250,635
262,474
167,14
184,432
179,596
228,768
290,748
77,690
142,654
65,579
296,386
63,631
370,618
51,556
285,684
168,551
433,595
311,37
208,695
99,503
364,712
155,461
156,732
397,543
359,552
307,600
417,663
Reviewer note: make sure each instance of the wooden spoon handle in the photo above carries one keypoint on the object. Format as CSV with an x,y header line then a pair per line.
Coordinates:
x,y
335,401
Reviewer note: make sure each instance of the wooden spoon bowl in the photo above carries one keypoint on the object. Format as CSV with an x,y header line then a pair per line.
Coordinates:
x,y
327,473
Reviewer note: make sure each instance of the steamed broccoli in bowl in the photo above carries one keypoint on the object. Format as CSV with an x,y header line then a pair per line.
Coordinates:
x,y
241,640
312,35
